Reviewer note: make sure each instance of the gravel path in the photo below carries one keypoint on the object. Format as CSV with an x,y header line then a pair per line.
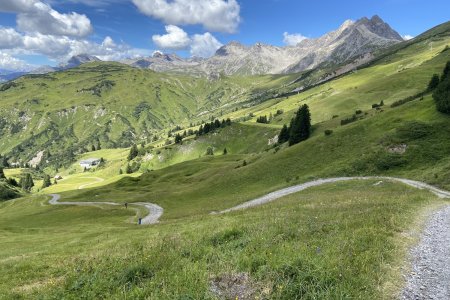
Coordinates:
x,y
154,211
430,274
297,188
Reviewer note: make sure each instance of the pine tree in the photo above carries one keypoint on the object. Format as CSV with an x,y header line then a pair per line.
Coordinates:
x,y
46,182
225,151
209,151
434,82
178,139
93,148
283,137
2,174
5,163
133,152
301,126
120,171
441,96
129,170
26,182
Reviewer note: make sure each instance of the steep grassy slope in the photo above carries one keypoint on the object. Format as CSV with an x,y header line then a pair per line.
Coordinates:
x,y
370,146
366,147
396,75
112,105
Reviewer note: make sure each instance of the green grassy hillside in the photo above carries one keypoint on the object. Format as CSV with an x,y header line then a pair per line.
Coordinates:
x,y
341,240
338,241
114,105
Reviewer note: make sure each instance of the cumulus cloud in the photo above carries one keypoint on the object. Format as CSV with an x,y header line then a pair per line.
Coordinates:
x,y
36,16
204,45
407,37
17,6
293,39
10,38
214,15
46,20
61,48
9,62
175,39
201,45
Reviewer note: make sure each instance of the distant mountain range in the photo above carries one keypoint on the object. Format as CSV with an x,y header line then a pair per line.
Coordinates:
x,y
351,42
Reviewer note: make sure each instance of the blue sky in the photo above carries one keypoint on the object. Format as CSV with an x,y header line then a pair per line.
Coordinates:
x,y
36,32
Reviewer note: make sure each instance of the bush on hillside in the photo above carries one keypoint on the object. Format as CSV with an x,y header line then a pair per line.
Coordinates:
x,y
328,132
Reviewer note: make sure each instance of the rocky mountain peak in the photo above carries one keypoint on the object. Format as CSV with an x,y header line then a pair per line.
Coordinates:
x,y
233,47
377,26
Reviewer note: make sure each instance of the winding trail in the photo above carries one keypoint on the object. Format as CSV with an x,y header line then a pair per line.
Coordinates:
x,y
97,180
430,258
154,211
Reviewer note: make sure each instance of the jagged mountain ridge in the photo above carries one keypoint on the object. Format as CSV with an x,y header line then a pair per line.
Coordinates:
x,y
348,44
349,41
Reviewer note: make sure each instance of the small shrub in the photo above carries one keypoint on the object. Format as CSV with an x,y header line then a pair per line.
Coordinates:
x,y
349,120
328,132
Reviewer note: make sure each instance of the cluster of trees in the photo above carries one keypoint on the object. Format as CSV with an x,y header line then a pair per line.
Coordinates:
x,y
264,119
441,90
210,127
376,105
299,128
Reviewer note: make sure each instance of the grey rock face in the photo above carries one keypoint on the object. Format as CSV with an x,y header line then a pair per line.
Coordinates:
x,y
349,41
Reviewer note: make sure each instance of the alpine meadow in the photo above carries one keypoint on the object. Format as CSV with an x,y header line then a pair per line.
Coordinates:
x,y
181,167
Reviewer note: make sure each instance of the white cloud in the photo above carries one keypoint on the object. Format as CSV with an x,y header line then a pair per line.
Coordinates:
x,y
175,39
17,6
43,19
214,15
204,45
109,43
407,37
61,48
293,39
201,45
10,38
37,16
91,3
9,62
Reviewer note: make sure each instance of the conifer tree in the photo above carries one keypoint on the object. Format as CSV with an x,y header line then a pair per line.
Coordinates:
x,y
301,126
2,174
178,139
129,170
46,182
133,152
434,82
283,137
26,182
